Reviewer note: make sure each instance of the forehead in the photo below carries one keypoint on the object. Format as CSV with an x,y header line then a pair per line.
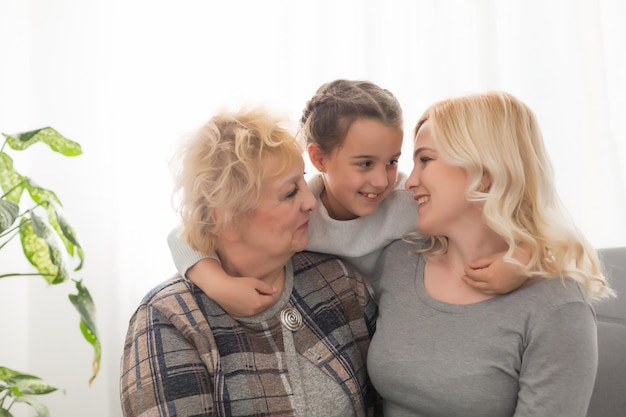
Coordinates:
x,y
279,174
424,136
371,137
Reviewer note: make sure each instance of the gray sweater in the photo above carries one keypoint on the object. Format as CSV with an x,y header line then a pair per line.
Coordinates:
x,y
532,352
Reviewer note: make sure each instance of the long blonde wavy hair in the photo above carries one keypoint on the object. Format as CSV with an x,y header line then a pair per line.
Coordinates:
x,y
497,134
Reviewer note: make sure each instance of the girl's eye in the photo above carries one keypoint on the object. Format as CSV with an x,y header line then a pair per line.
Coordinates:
x,y
393,162
364,164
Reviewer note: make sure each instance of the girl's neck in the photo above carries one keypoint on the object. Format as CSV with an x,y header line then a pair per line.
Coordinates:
x,y
334,212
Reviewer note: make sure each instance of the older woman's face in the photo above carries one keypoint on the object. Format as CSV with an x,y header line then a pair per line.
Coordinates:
x,y
279,225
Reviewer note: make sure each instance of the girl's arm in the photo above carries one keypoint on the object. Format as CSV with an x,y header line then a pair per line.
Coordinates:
x,y
239,297
492,275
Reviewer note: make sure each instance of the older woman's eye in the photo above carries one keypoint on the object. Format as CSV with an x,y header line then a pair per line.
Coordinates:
x,y
425,159
292,193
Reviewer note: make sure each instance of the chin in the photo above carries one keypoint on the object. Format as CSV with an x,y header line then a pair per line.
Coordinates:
x,y
299,246
424,229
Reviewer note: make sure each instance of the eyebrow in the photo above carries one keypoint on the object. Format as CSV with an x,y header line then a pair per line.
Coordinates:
x,y
373,156
420,150
290,180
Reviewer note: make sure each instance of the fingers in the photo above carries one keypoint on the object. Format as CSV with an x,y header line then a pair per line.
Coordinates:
x,y
476,274
481,286
481,263
263,288
244,297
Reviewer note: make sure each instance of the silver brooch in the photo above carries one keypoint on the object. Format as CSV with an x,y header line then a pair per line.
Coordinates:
x,y
291,318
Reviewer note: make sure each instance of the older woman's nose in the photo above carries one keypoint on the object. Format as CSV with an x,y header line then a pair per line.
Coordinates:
x,y
309,201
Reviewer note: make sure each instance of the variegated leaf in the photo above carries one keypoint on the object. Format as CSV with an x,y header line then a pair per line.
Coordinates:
x,y
11,181
8,213
86,308
41,250
47,135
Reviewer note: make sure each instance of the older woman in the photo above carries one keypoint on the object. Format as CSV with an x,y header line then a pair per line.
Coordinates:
x,y
483,184
243,196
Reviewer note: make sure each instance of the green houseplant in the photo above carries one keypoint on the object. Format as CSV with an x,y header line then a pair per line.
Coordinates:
x,y
34,214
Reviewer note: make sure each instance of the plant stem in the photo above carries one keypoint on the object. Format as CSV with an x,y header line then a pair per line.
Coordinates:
x,y
9,239
6,395
16,274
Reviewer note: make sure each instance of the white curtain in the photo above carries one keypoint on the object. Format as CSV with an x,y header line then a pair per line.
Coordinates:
x,y
128,78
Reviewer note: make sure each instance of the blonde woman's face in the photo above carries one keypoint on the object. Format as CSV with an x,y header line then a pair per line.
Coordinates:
x,y
438,187
279,225
361,173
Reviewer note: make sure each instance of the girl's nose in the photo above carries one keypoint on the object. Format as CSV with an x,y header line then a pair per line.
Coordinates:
x,y
380,178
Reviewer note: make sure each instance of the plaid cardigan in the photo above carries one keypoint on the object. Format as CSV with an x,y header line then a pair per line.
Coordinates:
x,y
184,356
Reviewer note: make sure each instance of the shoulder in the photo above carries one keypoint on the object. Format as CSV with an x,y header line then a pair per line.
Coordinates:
x,y
316,185
175,296
546,299
321,263
400,252
553,292
175,284
313,269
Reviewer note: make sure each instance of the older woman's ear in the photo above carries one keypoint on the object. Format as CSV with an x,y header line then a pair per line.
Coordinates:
x,y
228,230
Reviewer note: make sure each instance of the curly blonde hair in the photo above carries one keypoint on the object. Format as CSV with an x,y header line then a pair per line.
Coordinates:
x,y
220,172
497,134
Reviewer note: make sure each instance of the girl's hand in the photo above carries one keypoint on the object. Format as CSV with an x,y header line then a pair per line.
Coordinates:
x,y
491,275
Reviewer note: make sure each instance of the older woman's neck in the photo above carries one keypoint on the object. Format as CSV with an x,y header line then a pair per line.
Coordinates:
x,y
239,263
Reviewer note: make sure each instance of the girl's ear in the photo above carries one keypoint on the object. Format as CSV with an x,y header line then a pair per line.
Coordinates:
x,y
317,156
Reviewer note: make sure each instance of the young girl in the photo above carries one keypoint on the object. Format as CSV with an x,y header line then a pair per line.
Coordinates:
x,y
353,131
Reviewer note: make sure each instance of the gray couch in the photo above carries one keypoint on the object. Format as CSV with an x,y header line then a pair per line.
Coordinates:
x,y
609,393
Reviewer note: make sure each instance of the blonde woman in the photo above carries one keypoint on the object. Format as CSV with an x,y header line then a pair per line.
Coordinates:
x,y
483,184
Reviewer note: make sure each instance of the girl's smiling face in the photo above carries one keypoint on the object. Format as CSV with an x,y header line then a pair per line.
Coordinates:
x,y
359,174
